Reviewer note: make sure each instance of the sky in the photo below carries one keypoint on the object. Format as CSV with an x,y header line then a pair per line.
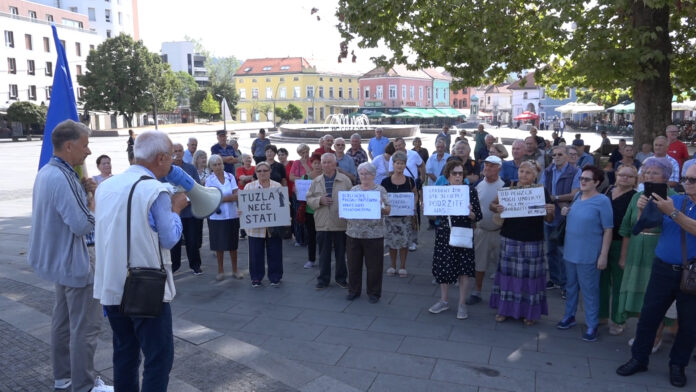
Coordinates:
x,y
253,29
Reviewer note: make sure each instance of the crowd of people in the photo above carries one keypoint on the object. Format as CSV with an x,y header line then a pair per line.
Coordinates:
x,y
615,239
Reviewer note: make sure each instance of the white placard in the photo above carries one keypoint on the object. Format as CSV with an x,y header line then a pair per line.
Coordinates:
x,y
446,200
522,202
302,187
359,205
401,204
269,207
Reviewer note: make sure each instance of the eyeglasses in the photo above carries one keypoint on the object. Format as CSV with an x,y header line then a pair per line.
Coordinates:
x,y
625,175
262,171
583,179
457,173
558,155
339,145
688,180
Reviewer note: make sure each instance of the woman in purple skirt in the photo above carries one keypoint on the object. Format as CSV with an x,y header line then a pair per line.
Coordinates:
x,y
519,289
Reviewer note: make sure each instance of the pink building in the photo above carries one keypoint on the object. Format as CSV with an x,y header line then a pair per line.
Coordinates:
x,y
396,88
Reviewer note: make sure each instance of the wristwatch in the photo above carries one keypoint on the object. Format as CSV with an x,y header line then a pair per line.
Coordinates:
x,y
674,214
556,199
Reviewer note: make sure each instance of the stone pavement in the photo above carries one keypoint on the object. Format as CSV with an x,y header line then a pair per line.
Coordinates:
x,y
232,337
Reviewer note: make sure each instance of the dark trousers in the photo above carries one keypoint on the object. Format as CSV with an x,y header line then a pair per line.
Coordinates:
x,y
297,227
311,238
663,289
259,159
152,336
262,250
192,238
335,240
371,251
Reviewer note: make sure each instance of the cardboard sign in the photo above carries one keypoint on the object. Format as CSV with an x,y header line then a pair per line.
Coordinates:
x,y
267,207
302,187
401,204
359,205
446,200
522,202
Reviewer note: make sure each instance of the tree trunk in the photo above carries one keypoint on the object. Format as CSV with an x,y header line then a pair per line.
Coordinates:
x,y
129,119
653,96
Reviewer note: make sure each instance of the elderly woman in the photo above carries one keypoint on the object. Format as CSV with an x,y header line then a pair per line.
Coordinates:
x,y
245,173
610,280
453,264
104,166
365,241
301,166
399,227
278,172
381,163
310,229
638,251
200,162
223,225
519,288
498,150
589,223
265,248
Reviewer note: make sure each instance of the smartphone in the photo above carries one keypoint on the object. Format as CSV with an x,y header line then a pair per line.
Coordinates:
x,y
655,188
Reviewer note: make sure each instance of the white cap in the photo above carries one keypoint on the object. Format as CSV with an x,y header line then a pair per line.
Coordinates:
x,y
494,159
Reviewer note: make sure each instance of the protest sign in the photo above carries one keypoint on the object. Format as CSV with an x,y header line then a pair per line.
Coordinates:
x,y
446,200
359,205
401,204
268,207
302,187
522,202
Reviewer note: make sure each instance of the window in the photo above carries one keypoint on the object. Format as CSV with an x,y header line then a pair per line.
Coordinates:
x,y
379,93
296,92
331,92
120,19
420,93
27,41
350,93
47,44
282,79
430,93
31,93
310,91
284,67
48,90
92,13
330,79
321,79
340,80
14,11
242,93
254,93
78,70
463,103
283,92
268,80
310,114
31,67
340,92
49,69
367,93
11,65
32,14
242,115
269,92
296,78
49,17
266,68
108,33
255,115
253,80
412,92
321,92
73,9
247,69
78,49
488,100
321,114
9,39
13,91
107,15
392,91
357,92
403,92
91,48
524,95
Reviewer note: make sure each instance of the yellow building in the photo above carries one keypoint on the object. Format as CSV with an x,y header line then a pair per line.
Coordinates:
x,y
263,84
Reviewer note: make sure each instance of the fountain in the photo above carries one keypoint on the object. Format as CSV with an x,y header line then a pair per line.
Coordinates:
x,y
341,125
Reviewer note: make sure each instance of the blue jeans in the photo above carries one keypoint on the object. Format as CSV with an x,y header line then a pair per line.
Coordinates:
x,y
151,335
554,257
262,249
585,278
663,289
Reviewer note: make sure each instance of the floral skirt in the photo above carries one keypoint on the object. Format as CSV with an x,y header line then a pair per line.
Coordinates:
x,y
398,231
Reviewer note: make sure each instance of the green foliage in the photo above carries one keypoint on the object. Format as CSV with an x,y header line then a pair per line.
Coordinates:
x,y
220,75
210,106
27,113
291,112
187,88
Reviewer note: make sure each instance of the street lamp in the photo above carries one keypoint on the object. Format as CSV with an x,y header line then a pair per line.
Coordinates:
x,y
154,98
224,107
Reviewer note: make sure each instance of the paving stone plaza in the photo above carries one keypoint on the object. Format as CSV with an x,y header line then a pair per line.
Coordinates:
x,y
232,337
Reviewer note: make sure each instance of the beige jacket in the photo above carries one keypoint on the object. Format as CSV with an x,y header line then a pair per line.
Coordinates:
x,y
326,217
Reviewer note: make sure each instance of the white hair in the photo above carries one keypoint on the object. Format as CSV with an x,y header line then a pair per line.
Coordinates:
x,y
329,156
192,139
214,158
339,139
355,136
150,143
368,167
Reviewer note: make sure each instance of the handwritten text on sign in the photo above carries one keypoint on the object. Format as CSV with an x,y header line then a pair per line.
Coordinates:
x,y
267,207
446,200
522,202
302,187
359,205
401,204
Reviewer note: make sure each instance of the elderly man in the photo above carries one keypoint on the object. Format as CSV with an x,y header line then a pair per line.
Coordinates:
x,y
562,182
154,228
488,140
533,153
325,144
487,232
584,158
192,227
510,168
226,151
191,147
415,168
322,197
541,143
258,147
461,151
660,149
444,135
59,252
356,151
377,144
675,148
346,164
480,139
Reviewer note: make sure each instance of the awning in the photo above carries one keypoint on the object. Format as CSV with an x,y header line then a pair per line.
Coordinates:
x,y
450,112
378,115
419,112
686,105
406,114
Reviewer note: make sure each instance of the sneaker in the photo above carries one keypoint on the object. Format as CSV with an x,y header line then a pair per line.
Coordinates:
x,y
343,285
255,283
308,265
616,329
220,276
100,386
391,271
197,271
590,335
275,284
566,323
238,275
473,299
320,286
62,383
413,247
550,285
439,307
462,314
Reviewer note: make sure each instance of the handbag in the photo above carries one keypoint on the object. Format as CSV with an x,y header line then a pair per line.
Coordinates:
x,y
557,234
143,291
301,215
461,237
688,278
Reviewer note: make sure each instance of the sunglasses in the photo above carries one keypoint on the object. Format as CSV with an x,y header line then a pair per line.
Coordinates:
x,y
262,171
558,155
457,173
583,179
688,180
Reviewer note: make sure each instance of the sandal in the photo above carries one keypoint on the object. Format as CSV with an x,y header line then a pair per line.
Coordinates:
x,y
499,318
403,273
528,322
391,271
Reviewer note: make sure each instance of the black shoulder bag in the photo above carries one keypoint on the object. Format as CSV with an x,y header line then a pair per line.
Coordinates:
x,y
688,278
143,291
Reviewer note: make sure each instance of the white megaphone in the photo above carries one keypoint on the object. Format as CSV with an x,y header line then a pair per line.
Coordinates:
x,y
204,200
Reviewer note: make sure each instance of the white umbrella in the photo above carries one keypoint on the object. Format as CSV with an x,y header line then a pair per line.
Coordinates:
x,y
587,108
686,105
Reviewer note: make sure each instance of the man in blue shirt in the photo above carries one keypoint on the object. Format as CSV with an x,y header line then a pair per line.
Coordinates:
x,y
229,156
509,170
258,147
444,135
437,161
377,144
584,158
191,148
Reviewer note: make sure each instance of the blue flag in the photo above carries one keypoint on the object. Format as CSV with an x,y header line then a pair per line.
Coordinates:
x,y
62,106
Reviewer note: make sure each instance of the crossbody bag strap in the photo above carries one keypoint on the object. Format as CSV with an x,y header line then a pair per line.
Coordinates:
x,y
683,236
128,223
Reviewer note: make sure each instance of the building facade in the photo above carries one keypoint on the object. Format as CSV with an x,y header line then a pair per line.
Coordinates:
x,y
460,99
107,18
264,84
181,56
397,87
548,105
526,95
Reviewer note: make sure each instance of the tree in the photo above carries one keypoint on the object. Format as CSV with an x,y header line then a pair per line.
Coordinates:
x,y
291,112
27,114
120,72
220,75
601,45
187,87
210,106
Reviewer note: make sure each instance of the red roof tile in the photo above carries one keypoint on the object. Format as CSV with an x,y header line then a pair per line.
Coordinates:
x,y
282,65
528,84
